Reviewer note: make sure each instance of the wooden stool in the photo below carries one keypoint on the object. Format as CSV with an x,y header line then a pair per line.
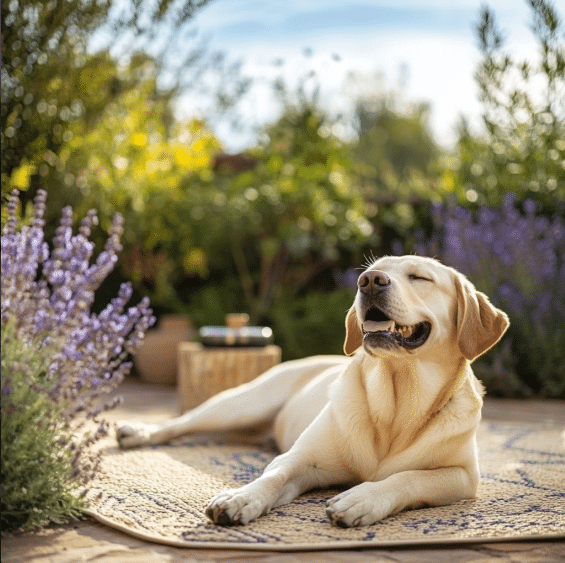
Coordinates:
x,y
205,371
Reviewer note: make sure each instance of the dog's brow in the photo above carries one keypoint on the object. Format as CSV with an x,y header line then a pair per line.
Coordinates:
x,y
416,267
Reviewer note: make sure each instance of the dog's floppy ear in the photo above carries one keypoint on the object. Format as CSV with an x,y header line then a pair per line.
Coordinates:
x,y
353,334
480,325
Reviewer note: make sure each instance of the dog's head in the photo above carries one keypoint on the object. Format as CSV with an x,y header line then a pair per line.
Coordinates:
x,y
413,305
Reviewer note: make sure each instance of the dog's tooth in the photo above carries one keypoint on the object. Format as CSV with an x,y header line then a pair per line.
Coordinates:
x,y
376,326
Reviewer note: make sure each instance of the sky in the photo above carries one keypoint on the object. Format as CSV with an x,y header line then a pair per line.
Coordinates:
x,y
423,50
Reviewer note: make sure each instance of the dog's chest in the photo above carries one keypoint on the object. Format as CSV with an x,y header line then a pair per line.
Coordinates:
x,y
379,419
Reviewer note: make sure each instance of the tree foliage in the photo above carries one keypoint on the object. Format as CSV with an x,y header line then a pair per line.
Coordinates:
x,y
50,81
392,143
524,115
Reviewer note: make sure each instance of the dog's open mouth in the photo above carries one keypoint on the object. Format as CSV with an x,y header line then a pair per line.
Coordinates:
x,y
380,330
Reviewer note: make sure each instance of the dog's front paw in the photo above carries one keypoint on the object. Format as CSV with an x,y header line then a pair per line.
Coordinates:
x,y
234,506
360,506
132,434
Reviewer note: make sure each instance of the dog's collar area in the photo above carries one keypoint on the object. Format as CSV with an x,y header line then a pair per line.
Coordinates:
x,y
380,330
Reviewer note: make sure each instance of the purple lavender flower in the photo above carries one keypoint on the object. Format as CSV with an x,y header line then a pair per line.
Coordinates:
x,y
47,297
517,258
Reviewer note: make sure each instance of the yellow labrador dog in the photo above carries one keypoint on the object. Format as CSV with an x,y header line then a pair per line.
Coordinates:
x,y
397,420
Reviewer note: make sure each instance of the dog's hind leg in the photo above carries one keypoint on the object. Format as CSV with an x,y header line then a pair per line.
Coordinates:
x,y
245,406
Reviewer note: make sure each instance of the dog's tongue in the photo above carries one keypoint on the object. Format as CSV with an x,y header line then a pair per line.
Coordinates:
x,y
376,326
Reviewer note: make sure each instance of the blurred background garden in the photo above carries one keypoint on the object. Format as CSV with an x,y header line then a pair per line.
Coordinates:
x,y
238,209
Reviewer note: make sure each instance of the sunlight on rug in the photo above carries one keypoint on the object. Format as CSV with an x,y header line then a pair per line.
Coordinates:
x,y
159,494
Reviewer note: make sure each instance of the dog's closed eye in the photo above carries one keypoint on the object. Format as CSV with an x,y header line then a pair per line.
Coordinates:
x,y
417,277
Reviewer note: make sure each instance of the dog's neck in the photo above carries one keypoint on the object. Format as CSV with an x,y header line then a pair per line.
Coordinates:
x,y
418,390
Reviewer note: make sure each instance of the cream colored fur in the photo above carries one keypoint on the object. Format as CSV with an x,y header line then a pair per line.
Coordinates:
x,y
396,425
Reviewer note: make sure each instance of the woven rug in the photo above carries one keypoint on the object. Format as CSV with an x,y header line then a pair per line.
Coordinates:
x,y
159,494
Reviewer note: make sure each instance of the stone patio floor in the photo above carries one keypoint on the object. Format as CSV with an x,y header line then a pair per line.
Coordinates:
x,y
89,541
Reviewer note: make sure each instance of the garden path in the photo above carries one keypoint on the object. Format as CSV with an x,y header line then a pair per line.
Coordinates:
x,y
89,541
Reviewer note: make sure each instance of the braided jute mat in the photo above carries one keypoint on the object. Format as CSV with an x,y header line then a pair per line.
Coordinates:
x,y
159,494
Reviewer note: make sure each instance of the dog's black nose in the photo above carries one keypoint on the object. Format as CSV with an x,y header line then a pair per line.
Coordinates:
x,y
373,281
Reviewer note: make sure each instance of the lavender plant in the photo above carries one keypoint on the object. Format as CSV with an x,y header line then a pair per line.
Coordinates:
x,y
518,259
59,361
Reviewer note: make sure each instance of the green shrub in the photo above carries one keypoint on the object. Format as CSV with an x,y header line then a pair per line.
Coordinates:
x,y
38,481
312,324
